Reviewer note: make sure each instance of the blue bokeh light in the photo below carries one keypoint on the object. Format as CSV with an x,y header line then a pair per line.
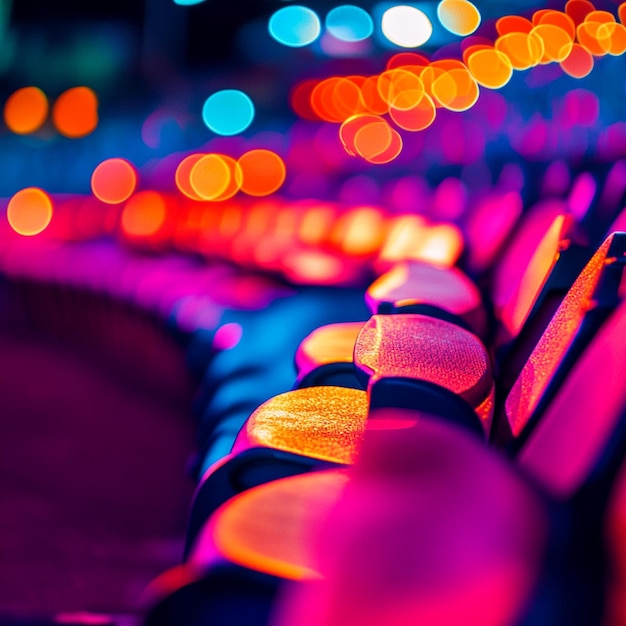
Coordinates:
x,y
228,112
295,26
349,23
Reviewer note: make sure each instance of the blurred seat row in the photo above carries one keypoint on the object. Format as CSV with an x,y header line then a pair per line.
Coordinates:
x,y
449,448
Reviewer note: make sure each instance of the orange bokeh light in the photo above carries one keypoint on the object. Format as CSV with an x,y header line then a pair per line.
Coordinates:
x,y
428,76
321,100
372,139
346,96
617,34
29,211
557,42
490,68
215,177
351,127
595,37
455,90
562,20
234,181
114,181
75,112
393,83
513,24
602,17
336,99
315,224
392,151
413,111
144,214
475,47
183,172
263,172
372,100
362,231
26,110
524,50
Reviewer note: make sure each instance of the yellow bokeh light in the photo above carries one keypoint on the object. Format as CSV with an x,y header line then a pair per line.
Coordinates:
x,y
460,17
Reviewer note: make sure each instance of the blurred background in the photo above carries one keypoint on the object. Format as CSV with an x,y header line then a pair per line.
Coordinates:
x,y
152,66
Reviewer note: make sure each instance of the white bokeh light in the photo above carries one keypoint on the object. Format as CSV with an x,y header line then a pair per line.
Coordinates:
x,y
406,26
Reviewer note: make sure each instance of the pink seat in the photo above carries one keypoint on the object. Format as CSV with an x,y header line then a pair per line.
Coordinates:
x,y
433,528
594,293
574,441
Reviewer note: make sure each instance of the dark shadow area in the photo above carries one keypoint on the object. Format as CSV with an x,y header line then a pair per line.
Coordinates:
x,y
93,489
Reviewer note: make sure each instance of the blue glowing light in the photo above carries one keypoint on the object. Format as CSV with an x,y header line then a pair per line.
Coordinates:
x,y
349,23
187,3
295,26
228,112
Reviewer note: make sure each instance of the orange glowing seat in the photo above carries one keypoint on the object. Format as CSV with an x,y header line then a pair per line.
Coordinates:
x,y
270,528
325,356
325,423
416,287
594,294
257,539
522,270
289,434
534,270
425,363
